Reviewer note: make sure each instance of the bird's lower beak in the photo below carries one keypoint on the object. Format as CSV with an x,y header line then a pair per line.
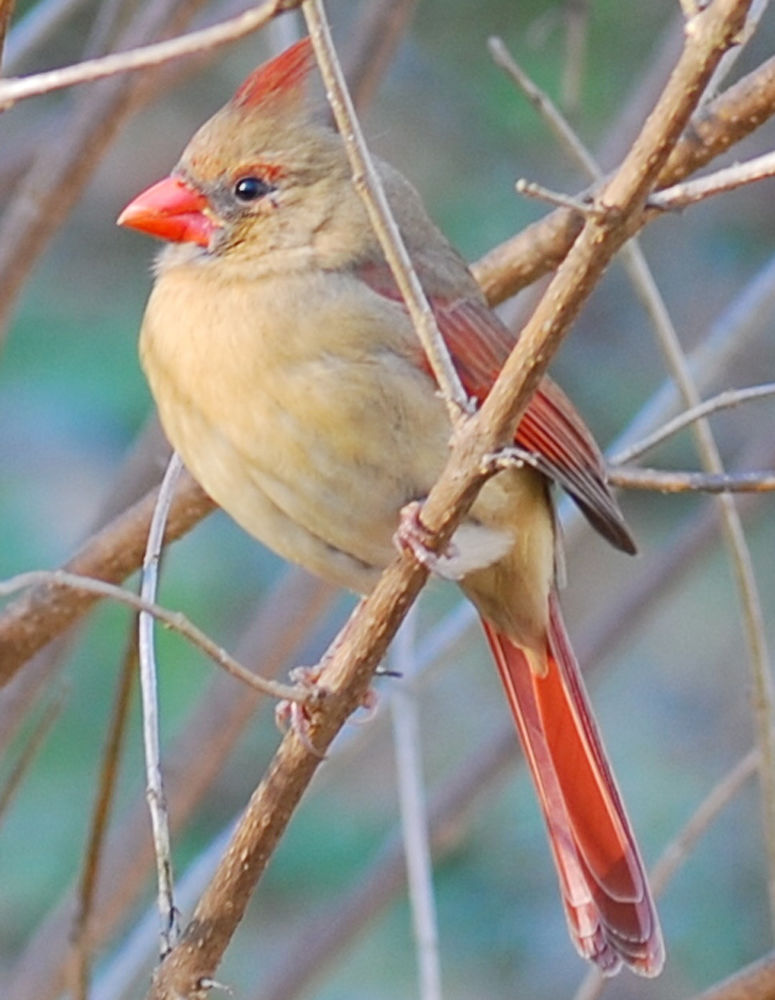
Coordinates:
x,y
172,210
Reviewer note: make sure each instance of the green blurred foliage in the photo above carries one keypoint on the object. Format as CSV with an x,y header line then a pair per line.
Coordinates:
x,y
72,399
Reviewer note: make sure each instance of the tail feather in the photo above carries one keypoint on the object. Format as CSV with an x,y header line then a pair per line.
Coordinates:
x,y
605,891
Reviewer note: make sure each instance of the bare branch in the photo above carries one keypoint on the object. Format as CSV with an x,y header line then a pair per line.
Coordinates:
x,y
530,189
95,845
544,105
34,742
414,820
662,481
729,179
369,185
723,401
173,619
21,88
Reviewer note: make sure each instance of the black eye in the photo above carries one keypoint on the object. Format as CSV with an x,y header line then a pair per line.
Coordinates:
x,y
251,188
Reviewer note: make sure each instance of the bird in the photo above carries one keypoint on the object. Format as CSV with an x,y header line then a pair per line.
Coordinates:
x,y
288,376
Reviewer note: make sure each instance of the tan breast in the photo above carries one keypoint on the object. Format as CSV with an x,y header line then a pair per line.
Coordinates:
x,y
297,403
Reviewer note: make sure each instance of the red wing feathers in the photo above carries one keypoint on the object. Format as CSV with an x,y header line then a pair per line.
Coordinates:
x,y
551,429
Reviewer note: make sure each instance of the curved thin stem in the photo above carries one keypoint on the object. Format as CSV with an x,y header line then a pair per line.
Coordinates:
x,y
157,804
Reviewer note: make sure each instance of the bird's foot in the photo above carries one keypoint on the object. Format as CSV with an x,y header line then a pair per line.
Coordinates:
x,y
512,457
413,536
294,715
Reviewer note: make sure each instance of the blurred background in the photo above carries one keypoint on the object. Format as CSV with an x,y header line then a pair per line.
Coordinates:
x,y
664,630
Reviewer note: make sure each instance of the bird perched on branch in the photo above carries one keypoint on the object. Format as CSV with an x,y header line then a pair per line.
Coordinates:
x,y
288,376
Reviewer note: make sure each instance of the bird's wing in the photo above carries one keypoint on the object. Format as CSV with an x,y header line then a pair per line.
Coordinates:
x,y
551,430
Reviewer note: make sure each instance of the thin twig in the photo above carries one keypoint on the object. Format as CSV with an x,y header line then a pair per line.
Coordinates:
x,y
665,481
576,37
174,620
20,88
157,804
680,848
414,819
79,972
543,103
719,182
724,400
369,185
40,731
530,189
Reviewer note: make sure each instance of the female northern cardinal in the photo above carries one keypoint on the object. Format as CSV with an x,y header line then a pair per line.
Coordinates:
x,y
289,378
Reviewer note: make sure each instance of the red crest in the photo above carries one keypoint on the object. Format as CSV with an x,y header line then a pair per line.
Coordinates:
x,y
281,77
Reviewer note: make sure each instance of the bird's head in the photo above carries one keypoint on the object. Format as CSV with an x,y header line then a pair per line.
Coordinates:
x,y
262,180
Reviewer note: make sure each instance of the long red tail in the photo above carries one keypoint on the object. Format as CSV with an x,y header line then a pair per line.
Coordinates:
x,y
604,888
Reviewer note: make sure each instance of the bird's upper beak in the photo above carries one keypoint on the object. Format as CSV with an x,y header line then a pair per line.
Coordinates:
x,y
172,210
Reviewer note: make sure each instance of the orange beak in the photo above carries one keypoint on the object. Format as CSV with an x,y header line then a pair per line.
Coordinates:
x,y
171,210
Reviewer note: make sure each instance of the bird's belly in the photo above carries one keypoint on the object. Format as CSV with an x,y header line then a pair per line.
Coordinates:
x,y
314,458
341,536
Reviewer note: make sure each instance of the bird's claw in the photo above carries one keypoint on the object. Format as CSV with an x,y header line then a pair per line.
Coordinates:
x,y
413,536
294,715
512,457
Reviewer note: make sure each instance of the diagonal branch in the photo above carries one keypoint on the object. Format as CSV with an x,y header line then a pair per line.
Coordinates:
x,y
368,184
